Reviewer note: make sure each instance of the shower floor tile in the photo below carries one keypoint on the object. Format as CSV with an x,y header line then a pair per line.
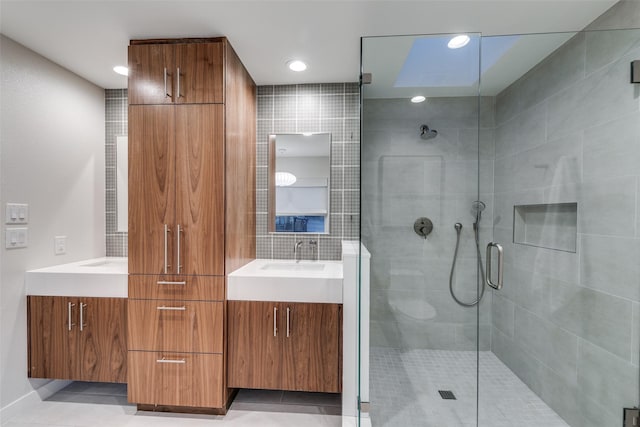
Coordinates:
x,y
405,385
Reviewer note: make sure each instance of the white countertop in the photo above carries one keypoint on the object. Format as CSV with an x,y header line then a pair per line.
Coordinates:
x,y
98,277
287,280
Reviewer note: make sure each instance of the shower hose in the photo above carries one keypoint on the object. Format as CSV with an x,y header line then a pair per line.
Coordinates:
x,y
458,228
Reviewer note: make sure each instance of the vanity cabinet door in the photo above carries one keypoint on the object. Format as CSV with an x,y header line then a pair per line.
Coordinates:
x,y
199,190
77,338
52,341
254,345
102,332
312,341
151,189
151,74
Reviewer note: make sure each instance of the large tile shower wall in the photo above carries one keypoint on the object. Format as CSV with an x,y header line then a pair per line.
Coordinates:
x,y
116,124
404,178
333,108
566,321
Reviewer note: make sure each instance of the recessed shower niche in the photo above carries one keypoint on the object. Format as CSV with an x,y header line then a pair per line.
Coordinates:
x,y
550,226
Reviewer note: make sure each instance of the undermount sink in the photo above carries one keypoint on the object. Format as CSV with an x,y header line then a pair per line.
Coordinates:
x,y
98,277
293,266
287,280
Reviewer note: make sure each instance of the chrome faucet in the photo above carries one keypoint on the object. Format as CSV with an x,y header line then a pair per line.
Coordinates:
x,y
314,246
295,250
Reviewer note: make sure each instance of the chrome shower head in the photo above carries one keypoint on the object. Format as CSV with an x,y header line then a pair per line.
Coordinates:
x,y
476,210
427,133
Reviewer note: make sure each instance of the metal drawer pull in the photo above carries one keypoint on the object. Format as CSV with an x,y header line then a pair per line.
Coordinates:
x,y
82,306
166,94
166,244
498,285
183,308
179,83
288,311
179,361
178,265
69,306
165,282
275,321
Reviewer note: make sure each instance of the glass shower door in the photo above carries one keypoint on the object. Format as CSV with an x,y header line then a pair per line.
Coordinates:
x,y
426,181
564,329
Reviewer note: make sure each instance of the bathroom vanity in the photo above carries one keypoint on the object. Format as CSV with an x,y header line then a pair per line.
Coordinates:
x,y
285,326
77,317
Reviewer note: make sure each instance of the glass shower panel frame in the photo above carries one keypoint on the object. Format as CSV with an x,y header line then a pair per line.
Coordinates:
x,y
422,342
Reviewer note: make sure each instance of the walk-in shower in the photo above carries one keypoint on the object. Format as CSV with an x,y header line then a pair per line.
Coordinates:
x,y
559,344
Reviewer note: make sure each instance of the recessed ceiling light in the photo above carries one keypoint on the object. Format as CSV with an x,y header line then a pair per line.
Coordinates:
x,y
285,179
417,99
120,69
297,65
307,133
458,41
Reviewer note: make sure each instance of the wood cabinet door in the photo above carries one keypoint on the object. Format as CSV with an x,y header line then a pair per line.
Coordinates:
x,y
151,74
254,345
102,332
201,68
199,190
52,341
311,348
151,188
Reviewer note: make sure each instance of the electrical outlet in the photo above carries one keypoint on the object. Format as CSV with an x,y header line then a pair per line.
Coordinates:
x,y
60,245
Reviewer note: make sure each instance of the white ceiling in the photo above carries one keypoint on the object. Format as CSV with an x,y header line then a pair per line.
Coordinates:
x,y
90,37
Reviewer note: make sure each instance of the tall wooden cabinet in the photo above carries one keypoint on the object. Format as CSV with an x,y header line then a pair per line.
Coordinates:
x,y
191,215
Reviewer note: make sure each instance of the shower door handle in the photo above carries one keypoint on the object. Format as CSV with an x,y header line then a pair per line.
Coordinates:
x,y
498,285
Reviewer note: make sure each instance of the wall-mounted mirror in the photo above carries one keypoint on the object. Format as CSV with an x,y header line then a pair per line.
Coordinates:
x,y
122,173
299,171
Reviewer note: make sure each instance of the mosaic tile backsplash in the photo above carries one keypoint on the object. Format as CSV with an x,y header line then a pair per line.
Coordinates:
x,y
333,108
115,125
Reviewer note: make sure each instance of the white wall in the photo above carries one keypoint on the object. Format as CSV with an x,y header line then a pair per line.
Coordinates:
x,y
51,157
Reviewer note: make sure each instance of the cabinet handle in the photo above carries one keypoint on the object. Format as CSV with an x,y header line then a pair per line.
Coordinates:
x,y
166,246
165,308
165,282
179,83
82,306
275,321
69,306
288,311
178,265
166,93
179,361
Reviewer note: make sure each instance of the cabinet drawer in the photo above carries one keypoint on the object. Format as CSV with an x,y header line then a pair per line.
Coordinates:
x,y
202,288
189,326
176,379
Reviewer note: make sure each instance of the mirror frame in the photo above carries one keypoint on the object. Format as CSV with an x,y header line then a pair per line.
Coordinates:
x,y
271,185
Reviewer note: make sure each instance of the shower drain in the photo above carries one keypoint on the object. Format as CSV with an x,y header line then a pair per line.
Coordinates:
x,y
447,394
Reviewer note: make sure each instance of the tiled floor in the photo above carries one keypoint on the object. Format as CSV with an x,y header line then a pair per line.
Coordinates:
x,y
101,405
405,384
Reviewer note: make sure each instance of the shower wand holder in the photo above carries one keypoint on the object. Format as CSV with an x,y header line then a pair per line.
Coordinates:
x,y
423,227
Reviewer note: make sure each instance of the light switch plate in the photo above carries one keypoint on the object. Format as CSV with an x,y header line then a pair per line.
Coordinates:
x,y
16,238
60,245
16,213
